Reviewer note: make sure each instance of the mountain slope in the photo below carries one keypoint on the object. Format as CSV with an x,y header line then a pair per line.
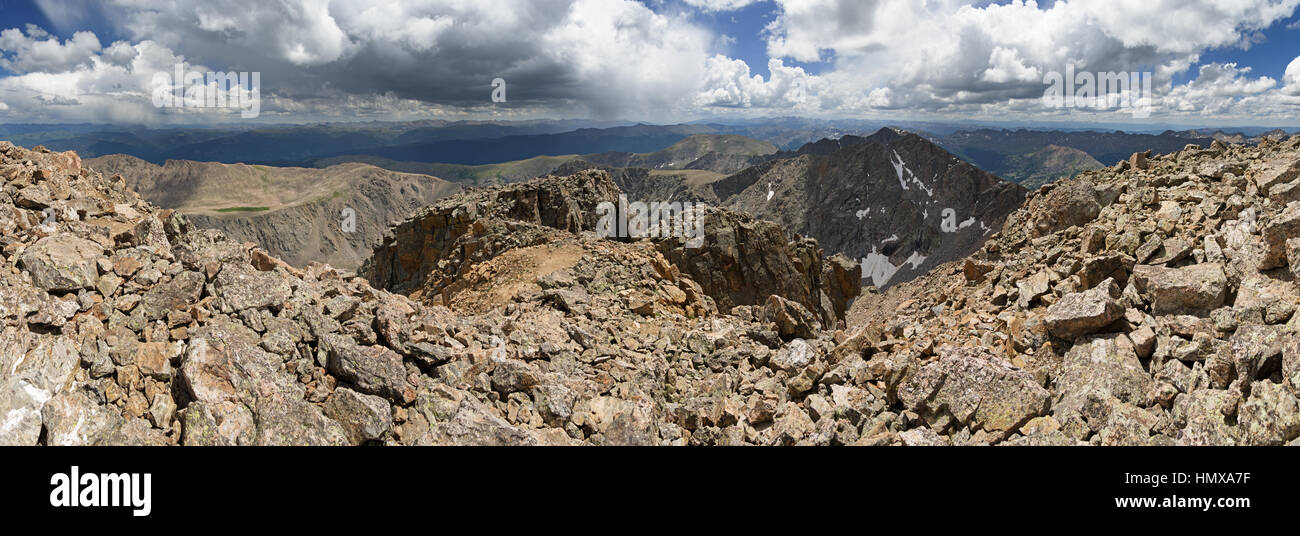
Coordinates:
x,y
295,213
893,199
992,150
1046,165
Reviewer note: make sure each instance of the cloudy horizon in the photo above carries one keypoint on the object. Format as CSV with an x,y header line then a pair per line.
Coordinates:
x,y
664,61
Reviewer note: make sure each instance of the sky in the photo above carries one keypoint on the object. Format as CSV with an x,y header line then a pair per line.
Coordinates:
x,y
1210,62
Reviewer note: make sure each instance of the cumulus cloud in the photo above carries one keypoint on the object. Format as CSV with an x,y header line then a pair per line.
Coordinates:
x,y
729,84
1292,77
624,58
35,50
604,57
950,56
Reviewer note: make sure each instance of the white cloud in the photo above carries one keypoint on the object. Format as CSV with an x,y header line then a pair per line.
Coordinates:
x,y
35,50
949,56
1291,79
720,5
729,84
621,58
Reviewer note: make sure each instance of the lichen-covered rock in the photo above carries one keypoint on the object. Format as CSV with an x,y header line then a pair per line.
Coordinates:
x,y
1203,417
1196,289
1291,363
1271,416
1100,364
35,369
223,423
239,287
1281,228
363,417
974,388
374,370
73,419
62,263
792,320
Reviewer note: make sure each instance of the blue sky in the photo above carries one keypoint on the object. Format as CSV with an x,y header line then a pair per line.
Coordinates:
x,y
1269,56
653,60
745,26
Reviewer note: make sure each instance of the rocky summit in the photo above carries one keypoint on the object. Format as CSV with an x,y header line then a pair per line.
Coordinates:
x,y
1147,303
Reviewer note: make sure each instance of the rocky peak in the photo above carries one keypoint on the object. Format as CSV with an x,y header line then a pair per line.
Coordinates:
x,y
893,200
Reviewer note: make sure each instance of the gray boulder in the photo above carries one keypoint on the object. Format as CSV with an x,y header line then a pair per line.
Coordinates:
x,y
62,263
1081,313
977,389
1196,289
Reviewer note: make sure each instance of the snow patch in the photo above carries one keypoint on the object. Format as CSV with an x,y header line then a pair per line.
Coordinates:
x,y
897,161
879,270
900,167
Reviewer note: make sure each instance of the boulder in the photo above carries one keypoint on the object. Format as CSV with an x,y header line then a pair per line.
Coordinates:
x,y
792,319
1086,312
223,423
35,369
1196,289
1277,232
374,370
1204,417
977,389
1103,363
1271,416
62,263
363,417
239,286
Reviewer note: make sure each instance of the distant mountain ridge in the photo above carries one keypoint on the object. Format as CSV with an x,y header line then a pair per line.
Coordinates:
x,y
295,213
712,152
997,150
1047,165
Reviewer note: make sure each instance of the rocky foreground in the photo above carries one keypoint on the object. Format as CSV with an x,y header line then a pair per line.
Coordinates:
x,y
1149,305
